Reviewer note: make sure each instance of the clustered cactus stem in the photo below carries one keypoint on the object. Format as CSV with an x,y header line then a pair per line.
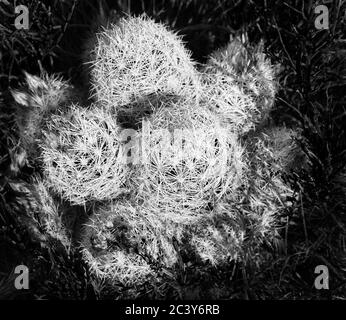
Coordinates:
x,y
200,186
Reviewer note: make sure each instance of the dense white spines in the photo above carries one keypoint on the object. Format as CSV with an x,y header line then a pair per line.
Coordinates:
x,y
82,155
137,57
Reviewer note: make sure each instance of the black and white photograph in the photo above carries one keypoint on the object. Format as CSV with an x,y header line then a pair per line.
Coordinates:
x,y
182,151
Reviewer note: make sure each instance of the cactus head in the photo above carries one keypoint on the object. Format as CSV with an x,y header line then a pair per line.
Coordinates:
x,y
138,57
82,155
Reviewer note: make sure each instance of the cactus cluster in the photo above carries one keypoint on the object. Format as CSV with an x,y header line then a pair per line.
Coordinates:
x,y
199,186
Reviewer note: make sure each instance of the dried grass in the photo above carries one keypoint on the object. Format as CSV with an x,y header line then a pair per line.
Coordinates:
x,y
82,155
137,57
